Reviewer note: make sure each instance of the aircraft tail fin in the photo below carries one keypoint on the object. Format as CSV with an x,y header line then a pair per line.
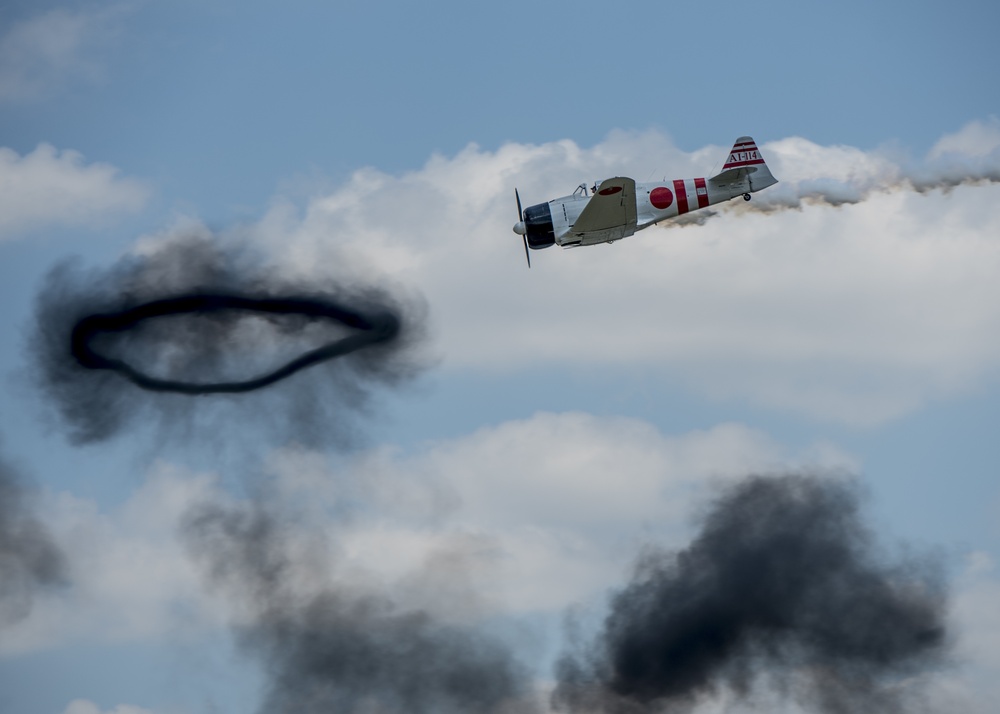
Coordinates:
x,y
745,163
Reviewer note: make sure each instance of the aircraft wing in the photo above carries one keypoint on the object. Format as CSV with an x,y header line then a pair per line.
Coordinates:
x,y
611,208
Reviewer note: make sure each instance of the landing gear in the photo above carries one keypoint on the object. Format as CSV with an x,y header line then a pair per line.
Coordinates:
x,y
746,196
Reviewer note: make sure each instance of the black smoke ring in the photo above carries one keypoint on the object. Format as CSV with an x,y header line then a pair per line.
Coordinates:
x,y
371,329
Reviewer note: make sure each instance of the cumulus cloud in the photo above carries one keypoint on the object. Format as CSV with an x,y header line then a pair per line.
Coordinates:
x,y
864,290
527,516
48,188
554,504
30,562
40,54
975,685
515,521
129,578
978,139
510,524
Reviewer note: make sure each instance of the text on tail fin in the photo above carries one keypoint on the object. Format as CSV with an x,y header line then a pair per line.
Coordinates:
x,y
744,153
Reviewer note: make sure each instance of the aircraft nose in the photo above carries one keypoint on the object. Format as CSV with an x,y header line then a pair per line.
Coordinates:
x,y
519,228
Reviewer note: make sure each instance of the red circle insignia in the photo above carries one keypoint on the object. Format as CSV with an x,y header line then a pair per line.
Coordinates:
x,y
610,190
661,197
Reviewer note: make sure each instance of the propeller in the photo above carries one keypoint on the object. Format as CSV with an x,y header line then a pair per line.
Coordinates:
x,y
520,228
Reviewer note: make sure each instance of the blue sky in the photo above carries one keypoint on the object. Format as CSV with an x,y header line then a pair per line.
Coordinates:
x,y
850,328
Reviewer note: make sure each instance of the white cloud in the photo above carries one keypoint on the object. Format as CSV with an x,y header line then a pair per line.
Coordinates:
x,y
528,516
129,578
857,313
40,54
523,519
544,512
977,139
49,188
973,685
83,706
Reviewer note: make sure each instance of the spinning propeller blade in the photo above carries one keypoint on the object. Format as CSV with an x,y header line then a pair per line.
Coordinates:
x,y
524,236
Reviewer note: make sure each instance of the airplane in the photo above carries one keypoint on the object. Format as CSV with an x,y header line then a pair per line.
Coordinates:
x,y
616,208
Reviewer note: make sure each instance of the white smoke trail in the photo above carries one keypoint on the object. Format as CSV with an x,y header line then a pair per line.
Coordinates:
x,y
810,174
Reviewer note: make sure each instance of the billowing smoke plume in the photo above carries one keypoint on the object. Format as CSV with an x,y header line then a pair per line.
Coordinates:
x,y
29,558
139,340
782,588
340,648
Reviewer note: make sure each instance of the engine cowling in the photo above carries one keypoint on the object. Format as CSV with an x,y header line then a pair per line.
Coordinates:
x,y
538,226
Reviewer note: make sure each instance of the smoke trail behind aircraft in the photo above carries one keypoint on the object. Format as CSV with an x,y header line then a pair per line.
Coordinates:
x,y
783,586
115,347
839,192
341,648
29,558
852,177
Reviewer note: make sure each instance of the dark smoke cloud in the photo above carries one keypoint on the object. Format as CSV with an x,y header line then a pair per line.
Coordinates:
x,y
783,586
341,649
370,330
135,343
29,558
